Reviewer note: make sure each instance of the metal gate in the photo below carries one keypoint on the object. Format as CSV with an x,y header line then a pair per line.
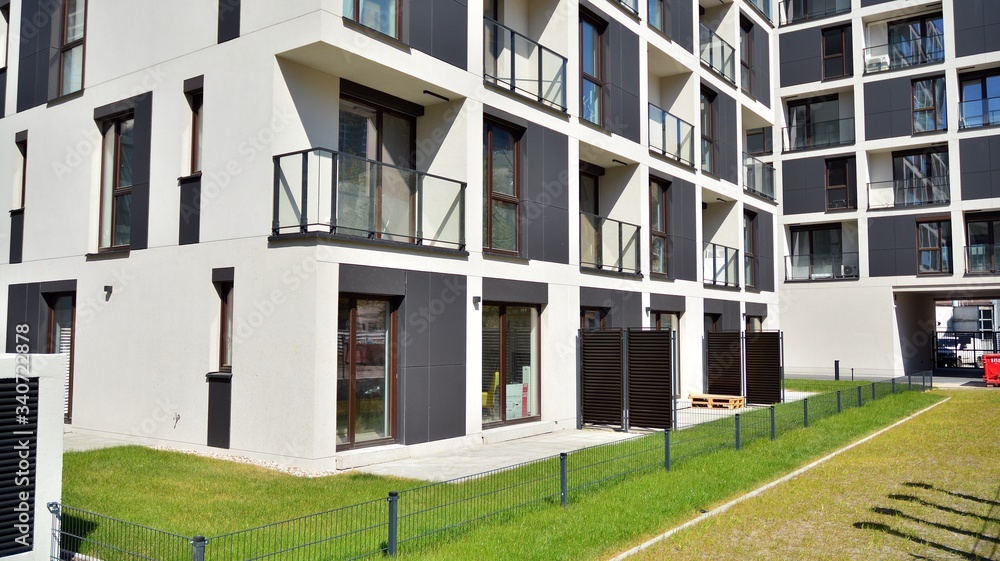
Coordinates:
x,y
625,378
747,364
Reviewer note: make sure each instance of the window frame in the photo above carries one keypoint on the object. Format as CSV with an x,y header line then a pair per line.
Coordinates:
x,y
502,367
116,189
767,140
843,52
938,112
850,202
943,244
708,98
602,315
746,48
600,26
226,326
492,196
750,250
197,99
979,78
22,147
660,24
356,18
661,189
65,47
990,219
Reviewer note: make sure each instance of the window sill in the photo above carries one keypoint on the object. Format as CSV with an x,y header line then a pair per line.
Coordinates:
x,y
64,98
611,272
813,148
725,287
110,253
928,133
840,210
314,238
664,277
829,279
376,34
761,196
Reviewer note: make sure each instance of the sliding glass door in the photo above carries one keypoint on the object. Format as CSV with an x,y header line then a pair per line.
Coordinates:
x,y
365,372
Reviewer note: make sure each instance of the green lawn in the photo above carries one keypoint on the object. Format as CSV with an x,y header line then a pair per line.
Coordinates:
x,y
191,495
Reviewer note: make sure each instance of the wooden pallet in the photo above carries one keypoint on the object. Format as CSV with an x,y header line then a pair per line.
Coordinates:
x,y
713,401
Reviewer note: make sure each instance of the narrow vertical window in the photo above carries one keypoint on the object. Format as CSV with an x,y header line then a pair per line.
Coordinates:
x,y
381,15
71,49
834,59
226,328
746,53
707,132
196,131
500,179
659,244
929,112
21,177
750,248
116,184
838,185
934,247
591,69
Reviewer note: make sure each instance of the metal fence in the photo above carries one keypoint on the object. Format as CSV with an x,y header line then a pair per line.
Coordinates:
x,y
410,519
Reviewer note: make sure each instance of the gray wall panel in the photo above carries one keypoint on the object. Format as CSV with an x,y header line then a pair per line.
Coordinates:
x,y
34,51
545,195
980,160
755,309
681,23
624,307
440,29
803,184
761,71
730,317
888,108
189,220
229,20
727,164
16,236
446,415
520,292
361,279
667,303
765,249
977,27
414,325
800,57
413,404
142,154
682,248
892,246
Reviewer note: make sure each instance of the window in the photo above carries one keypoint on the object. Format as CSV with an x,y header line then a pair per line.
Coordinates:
x,y
929,111
226,327
381,15
818,254
916,41
754,324
366,371
920,177
839,187
658,16
591,69
834,49
983,235
815,122
500,179
707,131
21,179
196,99
659,244
933,247
980,106
4,33
593,318
749,249
746,50
510,374
759,141
116,183
71,48
712,323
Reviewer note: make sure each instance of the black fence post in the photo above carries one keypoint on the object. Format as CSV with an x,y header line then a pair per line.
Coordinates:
x,y
840,403
852,373
666,449
836,370
923,386
774,432
393,523
563,478
874,396
198,548
893,386
739,443
805,412
860,401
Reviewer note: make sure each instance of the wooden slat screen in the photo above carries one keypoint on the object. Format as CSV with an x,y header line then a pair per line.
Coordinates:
x,y
724,365
763,357
601,377
649,379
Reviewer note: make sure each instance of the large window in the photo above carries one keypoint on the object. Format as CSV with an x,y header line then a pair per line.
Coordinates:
x,y
839,184
983,234
920,177
815,122
834,52
916,41
707,131
659,243
591,68
818,254
71,47
366,380
116,183
929,111
750,249
759,141
934,247
746,53
381,15
500,179
510,363
980,106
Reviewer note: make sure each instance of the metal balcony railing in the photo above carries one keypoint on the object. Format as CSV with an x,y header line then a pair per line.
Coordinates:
x,y
795,11
718,54
632,5
901,54
608,244
979,113
758,177
320,190
671,136
722,265
909,192
512,60
821,267
982,258
764,6
818,135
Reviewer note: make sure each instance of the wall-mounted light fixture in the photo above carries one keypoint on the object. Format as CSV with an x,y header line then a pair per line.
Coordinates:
x,y
476,300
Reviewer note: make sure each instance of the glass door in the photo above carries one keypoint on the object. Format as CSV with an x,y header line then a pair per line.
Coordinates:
x,y
62,308
365,372
510,364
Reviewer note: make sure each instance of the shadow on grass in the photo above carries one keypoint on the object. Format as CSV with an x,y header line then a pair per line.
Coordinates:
x,y
916,539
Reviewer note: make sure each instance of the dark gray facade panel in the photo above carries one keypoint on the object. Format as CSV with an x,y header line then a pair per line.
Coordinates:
x,y
681,23
16,236
730,317
629,53
361,279
595,297
624,307
229,20
800,57
888,108
683,251
224,274
447,302
194,85
50,287
881,263
848,50
728,163
220,406
440,29
761,71
980,161
544,194
189,219
379,97
520,292
447,386
892,247
142,153
3,92
764,233
413,404
977,25
667,303
757,310
555,248
803,184
17,313
37,19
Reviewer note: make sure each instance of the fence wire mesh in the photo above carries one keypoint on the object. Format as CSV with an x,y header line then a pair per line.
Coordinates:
x,y
81,534
598,464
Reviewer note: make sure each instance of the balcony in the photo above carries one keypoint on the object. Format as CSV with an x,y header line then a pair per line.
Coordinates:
x,y
909,192
670,136
322,191
609,245
764,7
982,259
979,113
903,54
718,54
821,267
722,265
758,177
795,11
630,5
818,135
517,63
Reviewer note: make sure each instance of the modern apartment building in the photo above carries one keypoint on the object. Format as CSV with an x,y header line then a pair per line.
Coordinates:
x,y
889,160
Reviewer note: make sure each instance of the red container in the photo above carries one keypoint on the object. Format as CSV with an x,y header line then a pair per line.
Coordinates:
x,y
991,369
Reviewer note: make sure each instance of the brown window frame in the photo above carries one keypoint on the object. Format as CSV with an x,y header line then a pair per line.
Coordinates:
x,y
602,314
843,52
493,197
399,19
937,111
661,188
746,44
600,26
850,202
502,388
750,253
940,248
226,319
708,136
661,24
767,140
65,47
116,189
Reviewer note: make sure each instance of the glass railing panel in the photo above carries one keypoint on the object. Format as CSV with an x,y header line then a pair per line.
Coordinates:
x,y
904,53
609,244
819,135
909,192
671,136
979,113
758,176
513,61
821,267
718,54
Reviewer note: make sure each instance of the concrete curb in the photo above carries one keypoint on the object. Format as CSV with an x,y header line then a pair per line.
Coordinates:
x,y
723,508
